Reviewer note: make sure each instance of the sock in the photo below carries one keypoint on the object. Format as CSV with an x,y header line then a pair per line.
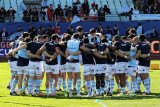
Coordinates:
x,y
59,82
118,85
64,85
38,85
78,86
134,83
102,87
84,80
112,86
14,85
123,90
74,87
23,88
30,85
70,86
89,87
98,84
107,84
131,85
34,85
93,86
149,83
139,82
51,83
41,80
47,90
11,81
146,85
127,84
53,90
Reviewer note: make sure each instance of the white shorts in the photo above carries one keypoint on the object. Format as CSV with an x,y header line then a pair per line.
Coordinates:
x,y
80,59
101,68
89,69
131,71
35,68
110,69
52,68
23,70
43,66
73,67
13,65
143,69
121,67
63,68
14,73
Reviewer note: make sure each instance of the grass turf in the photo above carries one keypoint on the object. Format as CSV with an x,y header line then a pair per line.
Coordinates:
x,y
115,101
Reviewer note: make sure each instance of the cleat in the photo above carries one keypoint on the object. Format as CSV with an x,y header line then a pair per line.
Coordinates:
x,y
109,94
48,95
8,87
30,95
53,95
89,95
22,93
121,94
74,90
102,94
117,90
14,93
42,95
138,92
59,90
79,95
70,95
65,94
145,93
84,89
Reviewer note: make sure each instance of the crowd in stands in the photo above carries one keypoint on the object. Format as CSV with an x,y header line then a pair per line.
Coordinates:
x,y
110,33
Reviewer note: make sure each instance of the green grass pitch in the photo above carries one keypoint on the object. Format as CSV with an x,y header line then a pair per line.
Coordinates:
x,y
115,101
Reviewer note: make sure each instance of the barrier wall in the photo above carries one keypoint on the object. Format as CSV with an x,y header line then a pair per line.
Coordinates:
x,y
122,26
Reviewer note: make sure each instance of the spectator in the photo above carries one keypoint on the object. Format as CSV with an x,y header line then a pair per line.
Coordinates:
x,y
19,29
33,33
108,33
10,14
78,2
30,28
41,30
148,10
101,14
106,9
2,15
155,10
27,14
69,12
59,11
80,12
155,35
50,12
135,11
58,30
45,4
74,9
35,15
139,29
42,14
85,7
115,31
127,32
100,29
65,10
53,29
93,11
70,30
4,34
49,31
78,5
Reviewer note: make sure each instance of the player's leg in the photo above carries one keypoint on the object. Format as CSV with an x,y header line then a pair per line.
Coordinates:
x,y
20,73
149,83
118,83
138,80
98,84
122,82
63,73
59,81
93,84
48,78
102,83
74,81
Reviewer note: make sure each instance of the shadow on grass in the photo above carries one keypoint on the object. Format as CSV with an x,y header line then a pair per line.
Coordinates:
x,y
114,97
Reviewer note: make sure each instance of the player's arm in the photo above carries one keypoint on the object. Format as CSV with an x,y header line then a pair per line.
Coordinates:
x,y
137,55
86,49
9,53
74,53
43,48
99,55
11,44
33,55
62,43
60,52
112,47
21,43
124,52
67,55
105,52
50,56
144,55
120,54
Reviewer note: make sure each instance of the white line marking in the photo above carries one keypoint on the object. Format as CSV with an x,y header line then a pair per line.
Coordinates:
x,y
103,104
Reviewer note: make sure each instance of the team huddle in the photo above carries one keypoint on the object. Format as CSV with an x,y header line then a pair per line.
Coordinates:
x,y
102,60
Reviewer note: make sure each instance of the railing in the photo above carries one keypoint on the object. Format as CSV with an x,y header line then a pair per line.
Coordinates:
x,y
53,18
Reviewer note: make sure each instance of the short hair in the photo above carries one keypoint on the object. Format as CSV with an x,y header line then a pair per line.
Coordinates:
x,y
63,39
115,26
44,36
117,38
68,37
79,29
25,34
93,30
39,37
75,35
153,28
124,37
131,36
28,39
85,40
139,24
133,31
142,37
104,40
54,37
